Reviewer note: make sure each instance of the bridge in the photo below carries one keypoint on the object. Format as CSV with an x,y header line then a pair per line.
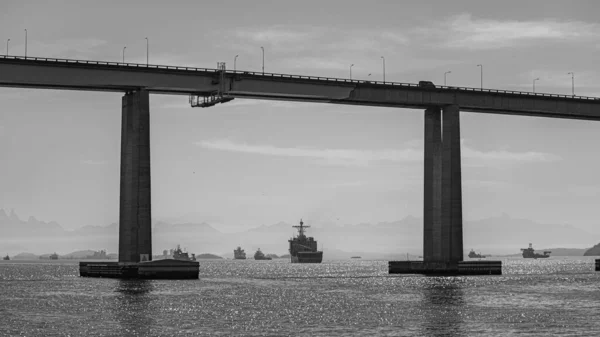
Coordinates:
x,y
443,225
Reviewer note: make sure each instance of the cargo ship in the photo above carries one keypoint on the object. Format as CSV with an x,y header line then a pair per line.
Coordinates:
x,y
529,253
178,254
261,256
304,249
239,253
474,255
53,256
6,258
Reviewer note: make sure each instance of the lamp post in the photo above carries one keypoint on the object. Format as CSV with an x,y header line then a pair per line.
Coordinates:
x,y
147,52
572,83
383,58
446,73
25,43
234,62
481,81
263,63
124,54
7,46
352,65
535,79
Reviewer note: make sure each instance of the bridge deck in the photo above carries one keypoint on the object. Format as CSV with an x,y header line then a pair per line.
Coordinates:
x,y
35,72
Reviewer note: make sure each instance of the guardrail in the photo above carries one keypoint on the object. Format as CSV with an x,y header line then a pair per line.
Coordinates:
x,y
317,78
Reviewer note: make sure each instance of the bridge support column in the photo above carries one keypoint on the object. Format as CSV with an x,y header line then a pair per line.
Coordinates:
x,y
432,193
135,236
442,204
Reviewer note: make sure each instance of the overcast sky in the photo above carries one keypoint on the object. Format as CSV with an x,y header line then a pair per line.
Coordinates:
x,y
249,162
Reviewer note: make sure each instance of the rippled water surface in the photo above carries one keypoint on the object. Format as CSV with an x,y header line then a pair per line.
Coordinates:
x,y
556,296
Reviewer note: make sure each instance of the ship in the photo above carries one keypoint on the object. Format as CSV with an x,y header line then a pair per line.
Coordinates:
x,y
304,249
355,257
529,253
239,253
6,258
178,254
53,256
261,256
474,255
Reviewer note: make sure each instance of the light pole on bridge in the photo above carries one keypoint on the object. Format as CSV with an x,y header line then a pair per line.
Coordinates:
x,y
263,63
572,83
352,65
147,51
124,54
25,43
535,79
7,46
234,61
481,80
383,58
446,73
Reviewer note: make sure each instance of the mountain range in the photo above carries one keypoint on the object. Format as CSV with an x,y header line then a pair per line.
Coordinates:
x,y
495,235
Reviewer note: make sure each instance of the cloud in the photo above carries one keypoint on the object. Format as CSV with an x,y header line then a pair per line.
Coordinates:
x,y
94,162
464,32
330,156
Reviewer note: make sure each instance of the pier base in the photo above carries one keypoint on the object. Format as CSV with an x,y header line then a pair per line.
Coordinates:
x,y
159,269
597,264
446,268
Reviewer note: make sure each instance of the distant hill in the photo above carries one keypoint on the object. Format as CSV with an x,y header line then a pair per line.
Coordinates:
x,y
208,256
594,251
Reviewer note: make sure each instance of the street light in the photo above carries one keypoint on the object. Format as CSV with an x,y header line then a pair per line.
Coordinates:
x,y
7,47
383,58
535,79
234,61
446,73
25,43
572,83
481,66
124,54
263,64
352,65
147,51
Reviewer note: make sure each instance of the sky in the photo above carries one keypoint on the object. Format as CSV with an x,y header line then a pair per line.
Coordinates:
x,y
248,162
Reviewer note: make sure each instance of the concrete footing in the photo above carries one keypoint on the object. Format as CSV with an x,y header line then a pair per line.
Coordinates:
x,y
446,268
597,264
159,269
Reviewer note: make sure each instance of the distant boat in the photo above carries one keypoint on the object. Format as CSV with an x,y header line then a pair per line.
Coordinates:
x,y
6,258
261,256
355,257
53,256
239,253
529,253
474,255
304,249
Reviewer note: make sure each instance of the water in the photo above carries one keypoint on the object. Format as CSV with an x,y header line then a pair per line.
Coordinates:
x,y
556,296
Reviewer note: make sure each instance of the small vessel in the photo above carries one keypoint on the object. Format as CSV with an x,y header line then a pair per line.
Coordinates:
x,y
355,257
529,253
6,258
53,256
239,253
474,255
261,256
178,254
304,249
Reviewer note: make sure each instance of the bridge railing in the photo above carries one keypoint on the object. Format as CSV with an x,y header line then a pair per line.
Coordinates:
x,y
273,75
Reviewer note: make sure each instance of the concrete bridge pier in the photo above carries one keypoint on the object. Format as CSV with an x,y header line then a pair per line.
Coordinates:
x,y
135,217
442,204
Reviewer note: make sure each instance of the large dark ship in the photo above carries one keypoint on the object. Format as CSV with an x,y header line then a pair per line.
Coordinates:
x,y
239,253
474,255
304,249
53,256
6,258
529,253
261,256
